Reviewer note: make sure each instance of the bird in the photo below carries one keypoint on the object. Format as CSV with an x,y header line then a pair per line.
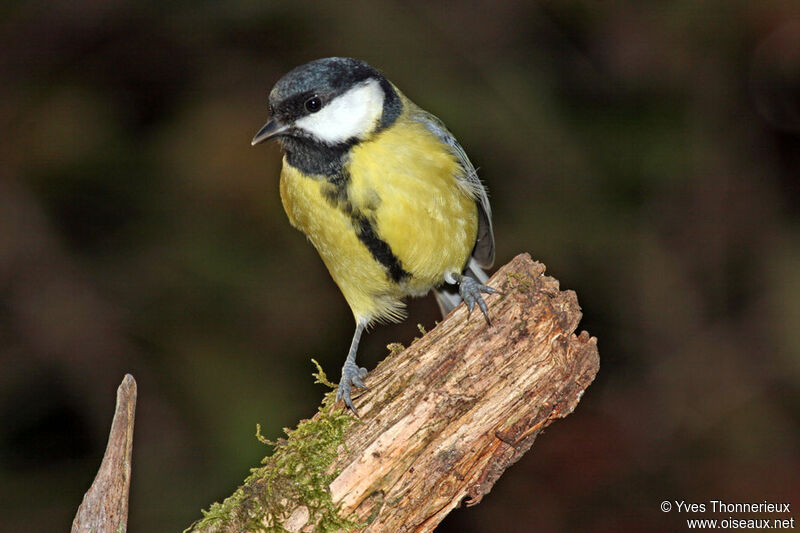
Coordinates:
x,y
384,192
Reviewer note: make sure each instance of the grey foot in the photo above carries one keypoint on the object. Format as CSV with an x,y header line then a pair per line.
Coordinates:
x,y
470,291
351,375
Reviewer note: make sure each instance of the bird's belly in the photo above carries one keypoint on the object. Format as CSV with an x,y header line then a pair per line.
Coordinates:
x,y
431,231
361,279
410,183
427,223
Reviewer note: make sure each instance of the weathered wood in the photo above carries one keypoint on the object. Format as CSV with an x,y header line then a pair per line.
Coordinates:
x,y
442,419
105,505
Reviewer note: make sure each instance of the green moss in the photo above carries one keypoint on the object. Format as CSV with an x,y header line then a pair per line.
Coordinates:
x,y
395,347
422,330
295,474
321,377
519,281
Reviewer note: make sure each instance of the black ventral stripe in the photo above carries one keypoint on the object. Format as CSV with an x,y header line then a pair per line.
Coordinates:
x,y
336,193
379,248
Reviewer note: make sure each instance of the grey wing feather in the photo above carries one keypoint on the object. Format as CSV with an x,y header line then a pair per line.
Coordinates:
x,y
483,252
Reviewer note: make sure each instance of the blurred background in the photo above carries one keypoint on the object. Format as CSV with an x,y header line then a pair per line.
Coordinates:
x,y
648,153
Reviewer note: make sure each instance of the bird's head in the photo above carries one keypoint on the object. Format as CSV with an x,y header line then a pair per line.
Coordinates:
x,y
331,101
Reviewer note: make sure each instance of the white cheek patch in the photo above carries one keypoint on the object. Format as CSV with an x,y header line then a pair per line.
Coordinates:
x,y
352,114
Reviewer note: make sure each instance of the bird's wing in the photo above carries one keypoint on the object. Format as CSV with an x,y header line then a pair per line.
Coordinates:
x,y
472,185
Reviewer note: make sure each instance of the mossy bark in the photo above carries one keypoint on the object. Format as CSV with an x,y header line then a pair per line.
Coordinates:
x,y
440,421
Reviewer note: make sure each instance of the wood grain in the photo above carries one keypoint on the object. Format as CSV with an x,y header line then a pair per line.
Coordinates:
x,y
105,505
442,419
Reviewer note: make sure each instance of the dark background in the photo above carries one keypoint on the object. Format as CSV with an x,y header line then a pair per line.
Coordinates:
x,y
646,152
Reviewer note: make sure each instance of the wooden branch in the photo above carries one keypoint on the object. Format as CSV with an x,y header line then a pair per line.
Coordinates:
x,y
105,505
440,421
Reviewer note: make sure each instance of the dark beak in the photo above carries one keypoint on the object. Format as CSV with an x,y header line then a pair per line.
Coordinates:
x,y
270,129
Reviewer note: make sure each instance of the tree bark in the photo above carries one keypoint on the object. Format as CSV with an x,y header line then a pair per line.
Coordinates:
x,y
105,505
440,420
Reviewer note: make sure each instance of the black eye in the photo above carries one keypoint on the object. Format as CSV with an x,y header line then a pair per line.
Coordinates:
x,y
313,104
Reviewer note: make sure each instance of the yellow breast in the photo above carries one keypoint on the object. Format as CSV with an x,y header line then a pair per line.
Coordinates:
x,y
403,182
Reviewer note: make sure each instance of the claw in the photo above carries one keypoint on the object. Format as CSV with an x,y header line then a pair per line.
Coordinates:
x,y
357,379
351,375
470,291
484,310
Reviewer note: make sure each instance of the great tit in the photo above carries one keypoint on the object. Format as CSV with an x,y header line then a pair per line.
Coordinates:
x,y
382,190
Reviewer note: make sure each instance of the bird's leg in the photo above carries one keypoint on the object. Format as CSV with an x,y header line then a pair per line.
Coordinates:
x,y
470,291
351,373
